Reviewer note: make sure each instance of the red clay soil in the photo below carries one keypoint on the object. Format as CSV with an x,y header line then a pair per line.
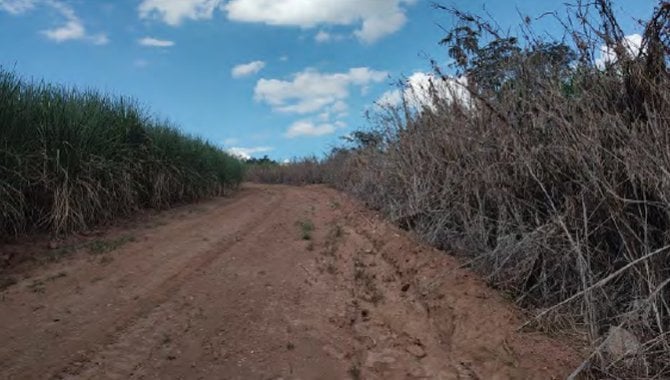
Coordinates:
x,y
232,289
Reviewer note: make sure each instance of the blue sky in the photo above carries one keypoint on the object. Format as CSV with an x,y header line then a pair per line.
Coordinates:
x,y
284,78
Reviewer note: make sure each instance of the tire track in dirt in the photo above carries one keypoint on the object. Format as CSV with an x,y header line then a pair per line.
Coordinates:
x,y
140,342
405,328
386,320
238,291
153,269
470,326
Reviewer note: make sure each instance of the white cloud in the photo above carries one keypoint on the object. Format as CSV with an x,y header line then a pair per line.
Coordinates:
x,y
374,18
247,69
322,37
311,91
324,116
174,12
73,29
246,153
308,128
338,110
380,25
339,107
420,88
632,43
391,98
155,42
17,6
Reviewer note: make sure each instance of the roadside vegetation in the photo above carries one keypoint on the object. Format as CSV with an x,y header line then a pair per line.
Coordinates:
x,y
70,159
300,171
544,167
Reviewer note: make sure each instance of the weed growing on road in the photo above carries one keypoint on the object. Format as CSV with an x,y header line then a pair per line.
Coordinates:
x,y
6,282
355,372
59,253
332,238
331,269
56,276
99,247
306,229
37,286
371,292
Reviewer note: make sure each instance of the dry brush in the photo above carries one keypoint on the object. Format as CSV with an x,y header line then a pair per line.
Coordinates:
x,y
551,179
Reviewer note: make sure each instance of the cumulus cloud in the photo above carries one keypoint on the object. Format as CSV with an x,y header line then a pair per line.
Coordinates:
x,y
378,26
338,110
311,91
73,29
246,69
155,42
308,128
174,12
374,18
391,98
246,153
420,88
17,6
632,43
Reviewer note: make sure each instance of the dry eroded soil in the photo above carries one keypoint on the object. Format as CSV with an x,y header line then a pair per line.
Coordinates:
x,y
240,288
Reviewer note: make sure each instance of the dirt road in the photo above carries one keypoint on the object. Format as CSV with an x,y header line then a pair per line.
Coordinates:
x,y
244,288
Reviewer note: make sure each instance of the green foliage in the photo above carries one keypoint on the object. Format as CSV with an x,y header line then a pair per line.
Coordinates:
x,y
493,62
98,247
306,229
364,139
265,160
70,159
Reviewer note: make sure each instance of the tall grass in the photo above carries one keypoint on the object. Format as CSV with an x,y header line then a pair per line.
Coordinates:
x,y
304,171
70,159
552,179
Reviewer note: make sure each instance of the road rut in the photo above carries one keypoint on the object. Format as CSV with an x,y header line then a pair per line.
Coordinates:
x,y
242,288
